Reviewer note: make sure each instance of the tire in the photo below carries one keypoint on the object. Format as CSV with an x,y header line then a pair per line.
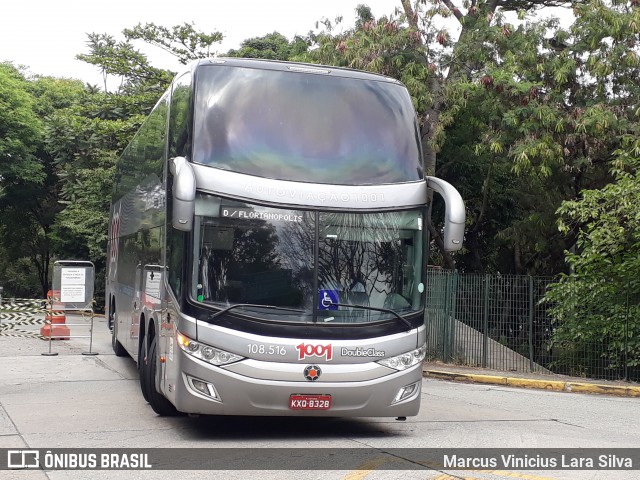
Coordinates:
x,y
160,404
118,349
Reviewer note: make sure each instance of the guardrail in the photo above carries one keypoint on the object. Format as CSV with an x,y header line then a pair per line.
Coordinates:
x,y
25,311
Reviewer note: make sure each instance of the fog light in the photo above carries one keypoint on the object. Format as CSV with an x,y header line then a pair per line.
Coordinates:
x,y
200,386
406,392
203,388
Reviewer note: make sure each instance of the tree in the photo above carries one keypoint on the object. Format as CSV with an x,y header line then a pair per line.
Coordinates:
x,y
560,106
124,61
596,307
273,46
598,299
20,131
27,180
182,41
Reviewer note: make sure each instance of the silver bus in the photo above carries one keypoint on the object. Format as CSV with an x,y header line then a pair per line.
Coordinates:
x,y
267,243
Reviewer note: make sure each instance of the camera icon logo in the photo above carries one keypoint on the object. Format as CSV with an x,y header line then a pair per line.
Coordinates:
x,y
19,459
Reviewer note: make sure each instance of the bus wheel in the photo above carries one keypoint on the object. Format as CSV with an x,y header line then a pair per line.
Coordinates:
x,y
118,349
160,404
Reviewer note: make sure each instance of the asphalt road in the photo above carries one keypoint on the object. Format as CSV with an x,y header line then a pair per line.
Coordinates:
x,y
79,401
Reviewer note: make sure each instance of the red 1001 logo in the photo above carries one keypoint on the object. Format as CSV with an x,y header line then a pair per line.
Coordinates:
x,y
308,350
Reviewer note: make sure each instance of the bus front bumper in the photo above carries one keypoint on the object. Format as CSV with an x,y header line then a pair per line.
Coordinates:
x,y
201,388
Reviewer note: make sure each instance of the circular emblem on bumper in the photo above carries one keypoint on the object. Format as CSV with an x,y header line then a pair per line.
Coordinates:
x,y
312,373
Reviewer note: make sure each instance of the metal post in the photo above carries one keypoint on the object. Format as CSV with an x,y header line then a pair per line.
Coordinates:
x,y
446,343
626,338
1,289
445,317
90,338
50,323
454,315
49,353
531,315
485,321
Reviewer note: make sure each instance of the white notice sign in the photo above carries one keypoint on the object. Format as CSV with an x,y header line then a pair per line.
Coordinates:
x,y
72,285
72,276
72,294
152,284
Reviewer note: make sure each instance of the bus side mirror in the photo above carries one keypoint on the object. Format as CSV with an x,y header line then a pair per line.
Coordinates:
x,y
454,218
184,193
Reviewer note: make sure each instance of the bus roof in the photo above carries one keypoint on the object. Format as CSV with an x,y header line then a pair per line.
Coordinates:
x,y
300,67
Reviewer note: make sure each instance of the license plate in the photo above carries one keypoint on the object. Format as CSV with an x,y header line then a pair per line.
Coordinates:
x,y
310,402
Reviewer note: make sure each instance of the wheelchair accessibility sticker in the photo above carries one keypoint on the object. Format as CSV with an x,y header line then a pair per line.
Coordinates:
x,y
328,300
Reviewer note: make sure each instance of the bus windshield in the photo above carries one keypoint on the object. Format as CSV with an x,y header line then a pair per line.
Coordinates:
x,y
300,126
255,255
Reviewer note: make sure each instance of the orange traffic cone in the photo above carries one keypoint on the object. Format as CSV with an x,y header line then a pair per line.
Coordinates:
x,y
57,327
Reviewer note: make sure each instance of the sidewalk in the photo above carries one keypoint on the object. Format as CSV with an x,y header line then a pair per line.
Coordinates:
x,y
558,383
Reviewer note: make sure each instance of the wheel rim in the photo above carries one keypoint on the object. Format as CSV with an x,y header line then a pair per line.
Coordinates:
x,y
114,335
114,327
112,316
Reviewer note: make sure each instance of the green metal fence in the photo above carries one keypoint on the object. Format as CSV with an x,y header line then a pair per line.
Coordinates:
x,y
511,323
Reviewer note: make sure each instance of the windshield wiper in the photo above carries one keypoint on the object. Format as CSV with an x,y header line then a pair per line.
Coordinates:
x,y
327,302
213,316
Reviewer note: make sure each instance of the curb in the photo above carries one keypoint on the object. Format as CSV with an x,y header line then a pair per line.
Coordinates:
x,y
553,385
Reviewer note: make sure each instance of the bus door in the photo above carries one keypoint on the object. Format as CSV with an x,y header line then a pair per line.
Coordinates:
x,y
151,303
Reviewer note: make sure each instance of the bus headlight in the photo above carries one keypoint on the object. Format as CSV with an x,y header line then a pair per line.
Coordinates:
x,y
207,353
406,360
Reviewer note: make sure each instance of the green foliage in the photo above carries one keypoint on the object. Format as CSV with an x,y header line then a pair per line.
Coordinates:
x,y
467,128
20,131
83,223
273,46
29,191
543,114
600,297
182,41
18,278
596,323
124,61
51,94
607,222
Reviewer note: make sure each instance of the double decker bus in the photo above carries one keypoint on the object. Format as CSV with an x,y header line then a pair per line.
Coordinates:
x,y
267,243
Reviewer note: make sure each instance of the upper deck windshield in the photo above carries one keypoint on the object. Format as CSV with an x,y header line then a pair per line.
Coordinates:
x,y
250,254
305,127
